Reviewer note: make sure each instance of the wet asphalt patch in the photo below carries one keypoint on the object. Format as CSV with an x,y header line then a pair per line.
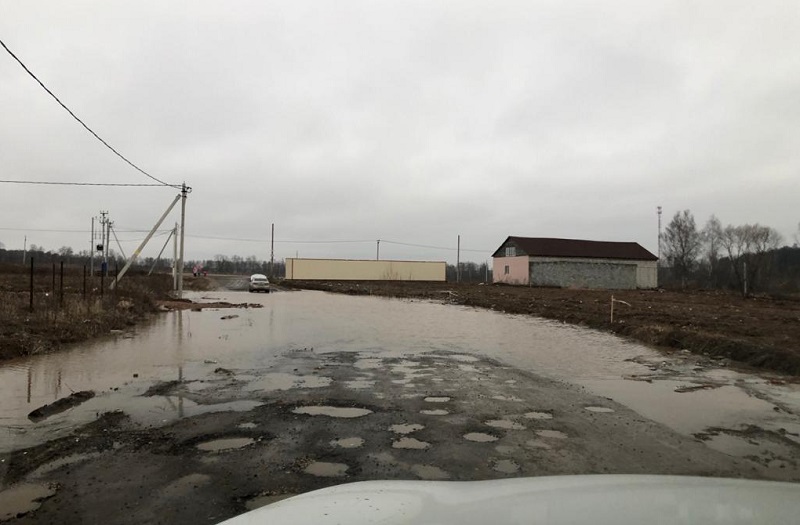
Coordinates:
x,y
320,419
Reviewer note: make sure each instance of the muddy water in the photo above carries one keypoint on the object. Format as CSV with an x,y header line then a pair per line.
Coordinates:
x,y
189,346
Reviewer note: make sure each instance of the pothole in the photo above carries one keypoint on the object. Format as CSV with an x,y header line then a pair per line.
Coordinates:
x,y
437,399
506,466
429,472
280,381
555,434
480,437
21,499
218,445
410,443
351,442
505,424
539,415
435,412
323,469
406,428
602,410
321,410
506,398
263,500
359,384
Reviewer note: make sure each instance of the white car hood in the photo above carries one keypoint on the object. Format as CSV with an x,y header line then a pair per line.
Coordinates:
x,y
600,499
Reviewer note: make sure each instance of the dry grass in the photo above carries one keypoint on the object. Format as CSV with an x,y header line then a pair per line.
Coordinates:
x,y
56,320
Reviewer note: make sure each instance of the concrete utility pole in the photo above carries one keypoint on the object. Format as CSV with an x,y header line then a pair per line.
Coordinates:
x,y
659,236
378,251
184,191
272,252
175,257
103,243
458,261
24,248
138,250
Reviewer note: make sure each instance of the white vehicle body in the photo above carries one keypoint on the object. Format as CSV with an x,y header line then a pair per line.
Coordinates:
x,y
576,500
259,283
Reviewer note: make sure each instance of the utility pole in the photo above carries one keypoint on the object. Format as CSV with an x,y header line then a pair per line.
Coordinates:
x,y
272,252
378,251
184,191
175,257
659,236
103,244
92,249
24,248
458,261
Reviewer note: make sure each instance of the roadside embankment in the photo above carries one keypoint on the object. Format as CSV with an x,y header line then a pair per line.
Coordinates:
x,y
761,332
71,309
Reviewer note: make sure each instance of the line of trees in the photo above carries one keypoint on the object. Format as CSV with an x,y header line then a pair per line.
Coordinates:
x,y
220,264
747,257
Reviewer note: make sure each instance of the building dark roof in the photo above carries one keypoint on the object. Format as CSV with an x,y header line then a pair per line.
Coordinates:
x,y
549,247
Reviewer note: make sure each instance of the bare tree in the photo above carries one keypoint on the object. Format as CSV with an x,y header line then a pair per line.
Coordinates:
x,y
682,243
712,239
747,247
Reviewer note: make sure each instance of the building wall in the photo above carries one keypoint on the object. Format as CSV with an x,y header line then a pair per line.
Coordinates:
x,y
647,274
355,270
510,270
583,273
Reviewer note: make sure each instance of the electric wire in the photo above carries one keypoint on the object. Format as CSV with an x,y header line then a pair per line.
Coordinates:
x,y
55,183
106,144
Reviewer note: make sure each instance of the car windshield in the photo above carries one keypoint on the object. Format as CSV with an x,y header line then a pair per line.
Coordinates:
x,y
252,250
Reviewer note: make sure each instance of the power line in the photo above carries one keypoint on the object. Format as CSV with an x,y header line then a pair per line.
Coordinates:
x,y
279,241
106,144
434,247
53,183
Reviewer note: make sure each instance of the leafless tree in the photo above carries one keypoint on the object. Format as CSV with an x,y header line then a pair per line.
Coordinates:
x,y
712,239
747,246
682,243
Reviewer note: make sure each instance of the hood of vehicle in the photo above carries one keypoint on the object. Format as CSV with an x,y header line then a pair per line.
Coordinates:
x,y
600,499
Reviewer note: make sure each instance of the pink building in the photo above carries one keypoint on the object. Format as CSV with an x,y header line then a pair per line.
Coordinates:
x,y
574,263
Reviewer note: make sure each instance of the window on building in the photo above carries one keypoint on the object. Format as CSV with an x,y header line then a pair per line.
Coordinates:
x,y
511,251
506,270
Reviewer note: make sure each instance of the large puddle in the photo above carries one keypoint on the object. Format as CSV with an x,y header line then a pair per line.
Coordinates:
x,y
189,346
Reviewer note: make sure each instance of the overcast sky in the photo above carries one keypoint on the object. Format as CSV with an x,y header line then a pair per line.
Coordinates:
x,y
411,121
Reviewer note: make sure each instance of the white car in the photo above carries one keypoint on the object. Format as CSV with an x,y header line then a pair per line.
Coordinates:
x,y
259,283
557,500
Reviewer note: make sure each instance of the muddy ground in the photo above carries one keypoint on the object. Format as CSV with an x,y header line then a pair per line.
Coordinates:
x,y
760,331
326,419
311,420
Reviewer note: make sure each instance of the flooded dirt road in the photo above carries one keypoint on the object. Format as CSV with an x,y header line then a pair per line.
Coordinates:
x,y
201,415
